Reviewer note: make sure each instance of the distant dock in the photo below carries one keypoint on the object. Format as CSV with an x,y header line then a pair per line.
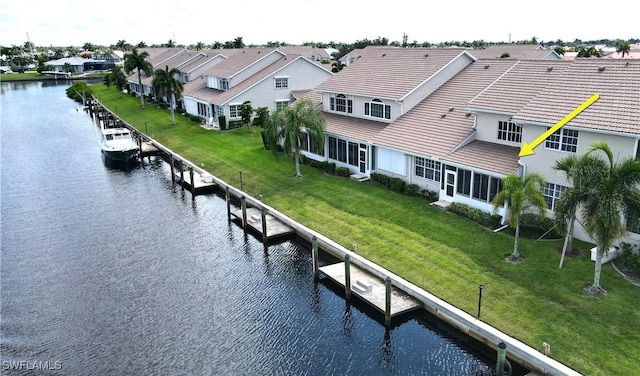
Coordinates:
x,y
269,229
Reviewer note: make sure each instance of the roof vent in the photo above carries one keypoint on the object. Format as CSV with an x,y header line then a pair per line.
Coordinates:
x,y
384,55
451,109
549,69
426,55
443,115
486,66
467,114
601,68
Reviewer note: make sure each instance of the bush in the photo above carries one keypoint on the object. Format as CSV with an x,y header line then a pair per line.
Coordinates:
x,y
343,171
430,196
235,124
77,90
411,190
397,185
630,260
262,113
476,215
222,120
381,179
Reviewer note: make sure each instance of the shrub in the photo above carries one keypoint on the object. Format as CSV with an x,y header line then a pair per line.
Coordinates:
x,y
77,90
630,260
411,190
476,215
397,185
343,171
380,178
222,120
235,124
430,196
262,113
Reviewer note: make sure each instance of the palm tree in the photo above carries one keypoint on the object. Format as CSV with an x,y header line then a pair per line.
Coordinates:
x,y
288,125
612,191
623,47
138,61
337,66
199,46
167,85
520,195
116,77
566,207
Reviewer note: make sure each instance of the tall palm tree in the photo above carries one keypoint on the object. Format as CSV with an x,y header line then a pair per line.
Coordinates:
x,y
622,46
288,125
138,61
612,191
567,207
167,85
520,195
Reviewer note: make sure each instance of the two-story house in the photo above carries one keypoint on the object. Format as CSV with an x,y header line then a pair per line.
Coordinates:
x,y
267,77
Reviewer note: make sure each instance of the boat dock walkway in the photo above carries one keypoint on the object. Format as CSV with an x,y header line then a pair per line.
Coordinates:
x,y
371,289
273,227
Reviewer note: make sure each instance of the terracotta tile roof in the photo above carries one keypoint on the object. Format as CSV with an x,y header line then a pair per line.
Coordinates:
x,y
616,80
518,85
352,127
424,130
219,97
388,72
306,51
515,51
487,156
238,61
312,95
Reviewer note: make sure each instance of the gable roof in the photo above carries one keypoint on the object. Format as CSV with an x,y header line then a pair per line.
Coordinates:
x,y
515,51
617,81
515,88
382,71
439,124
240,61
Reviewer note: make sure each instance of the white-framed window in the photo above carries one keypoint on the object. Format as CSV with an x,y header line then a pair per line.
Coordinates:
x,y
485,187
219,111
234,110
508,131
308,143
377,109
340,103
427,168
563,139
223,84
552,193
281,103
282,82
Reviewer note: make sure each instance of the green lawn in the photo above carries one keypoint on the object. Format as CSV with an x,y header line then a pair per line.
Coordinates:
x,y
446,255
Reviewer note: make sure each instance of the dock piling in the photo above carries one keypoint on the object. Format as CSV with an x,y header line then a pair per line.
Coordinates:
x,y
181,174
228,198
263,212
243,203
502,361
387,299
193,183
314,256
173,172
347,276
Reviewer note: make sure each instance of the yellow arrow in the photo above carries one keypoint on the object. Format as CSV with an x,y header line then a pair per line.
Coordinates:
x,y
527,149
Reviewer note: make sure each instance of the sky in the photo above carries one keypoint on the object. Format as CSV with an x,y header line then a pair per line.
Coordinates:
x,y
66,23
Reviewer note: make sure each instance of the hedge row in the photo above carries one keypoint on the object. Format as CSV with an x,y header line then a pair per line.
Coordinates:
x,y
486,219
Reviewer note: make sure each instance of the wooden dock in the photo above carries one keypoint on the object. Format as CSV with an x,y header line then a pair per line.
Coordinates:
x,y
147,148
274,227
200,185
371,289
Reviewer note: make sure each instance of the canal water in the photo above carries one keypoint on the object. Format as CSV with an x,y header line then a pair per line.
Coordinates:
x,y
112,271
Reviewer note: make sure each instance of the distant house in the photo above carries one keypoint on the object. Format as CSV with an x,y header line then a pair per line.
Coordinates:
x,y
78,64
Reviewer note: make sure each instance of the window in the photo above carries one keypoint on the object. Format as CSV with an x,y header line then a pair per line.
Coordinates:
x,y
308,143
340,103
223,84
428,169
633,227
282,82
485,187
219,110
552,193
234,110
377,109
464,182
280,104
342,150
353,154
563,139
508,131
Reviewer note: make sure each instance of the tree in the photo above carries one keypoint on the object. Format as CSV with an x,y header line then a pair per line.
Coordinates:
x,y
567,205
584,51
116,77
246,112
623,47
138,61
612,192
288,125
238,43
337,66
167,85
520,195
559,50
199,46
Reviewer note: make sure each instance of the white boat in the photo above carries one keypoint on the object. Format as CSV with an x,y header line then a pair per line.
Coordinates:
x,y
117,144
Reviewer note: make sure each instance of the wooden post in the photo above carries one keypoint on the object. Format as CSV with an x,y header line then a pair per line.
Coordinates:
x,y
502,357
387,301
263,211
181,175
243,204
173,171
347,276
314,256
228,198
193,184
140,146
